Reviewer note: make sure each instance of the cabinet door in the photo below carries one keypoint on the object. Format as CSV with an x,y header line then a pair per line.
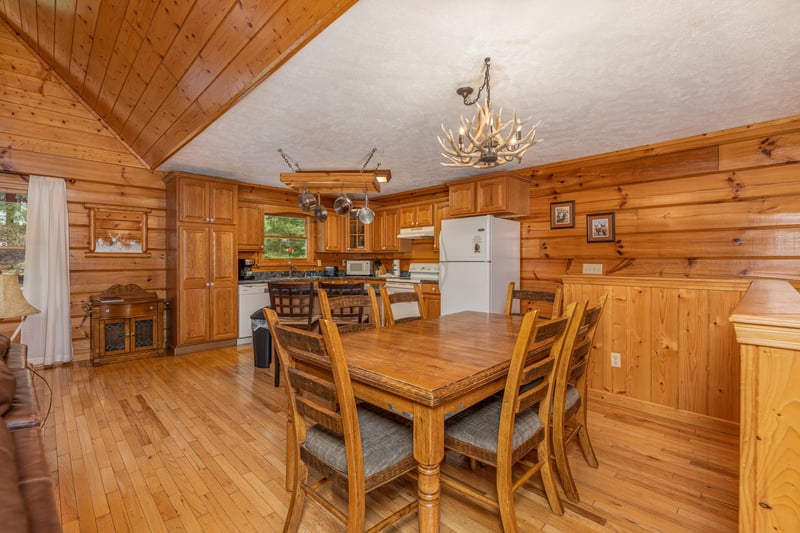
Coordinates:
x,y
358,234
250,228
391,224
462,199
222,256
441,212
222,202
223,285
114,336
491,195
333,234
193,249
431,299
143,332
424,215
192,200
223,312
408,216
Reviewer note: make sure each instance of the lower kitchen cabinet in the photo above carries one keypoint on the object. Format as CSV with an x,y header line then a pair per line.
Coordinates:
x,y
127,323
431,299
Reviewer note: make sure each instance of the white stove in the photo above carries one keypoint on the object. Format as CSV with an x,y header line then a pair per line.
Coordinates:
x,y
417,273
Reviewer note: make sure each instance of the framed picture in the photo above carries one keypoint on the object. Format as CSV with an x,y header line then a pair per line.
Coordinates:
x,y
600,227
562,215
117,230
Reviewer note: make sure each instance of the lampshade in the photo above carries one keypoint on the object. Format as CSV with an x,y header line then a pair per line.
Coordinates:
x,y
12,303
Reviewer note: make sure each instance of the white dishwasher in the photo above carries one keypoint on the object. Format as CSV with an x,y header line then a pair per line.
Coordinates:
x,y
252,296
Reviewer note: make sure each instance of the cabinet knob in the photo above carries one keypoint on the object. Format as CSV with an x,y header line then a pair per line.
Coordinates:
x,y
211,220
211,284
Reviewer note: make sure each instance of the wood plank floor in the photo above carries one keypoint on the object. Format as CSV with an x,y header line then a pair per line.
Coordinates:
x,y
196,443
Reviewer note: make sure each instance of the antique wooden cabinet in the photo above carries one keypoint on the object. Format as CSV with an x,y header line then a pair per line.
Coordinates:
x,y
201,257
127,323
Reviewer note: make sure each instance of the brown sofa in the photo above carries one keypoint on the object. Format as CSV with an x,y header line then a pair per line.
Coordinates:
x,y
27,502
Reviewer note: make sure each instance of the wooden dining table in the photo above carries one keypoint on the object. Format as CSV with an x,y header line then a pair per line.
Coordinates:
x,y
426,371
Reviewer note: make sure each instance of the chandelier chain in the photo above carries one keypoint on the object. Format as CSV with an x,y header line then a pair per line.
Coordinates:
x,y
369,157
480,89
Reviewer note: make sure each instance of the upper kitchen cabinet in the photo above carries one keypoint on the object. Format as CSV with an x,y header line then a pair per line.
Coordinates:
x,y
385,230
206,201
331,234
441,211
250,228
416,215
358,235
502,196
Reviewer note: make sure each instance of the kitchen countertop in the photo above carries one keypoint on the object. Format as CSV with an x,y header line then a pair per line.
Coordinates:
x,y
313,278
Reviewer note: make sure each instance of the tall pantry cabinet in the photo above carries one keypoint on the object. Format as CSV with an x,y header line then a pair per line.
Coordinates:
x,y
202,281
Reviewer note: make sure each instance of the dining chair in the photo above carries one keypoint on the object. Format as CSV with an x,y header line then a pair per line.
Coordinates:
x,y
358,447
544,296
389,299
570,398
293,301
502,430
350,312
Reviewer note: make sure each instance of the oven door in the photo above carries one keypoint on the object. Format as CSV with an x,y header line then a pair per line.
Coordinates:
x,y
402,309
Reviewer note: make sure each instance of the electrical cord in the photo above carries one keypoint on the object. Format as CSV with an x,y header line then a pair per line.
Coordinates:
x,y
50,403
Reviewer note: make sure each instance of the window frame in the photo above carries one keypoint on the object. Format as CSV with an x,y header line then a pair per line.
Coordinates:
x,y
284,262
16,185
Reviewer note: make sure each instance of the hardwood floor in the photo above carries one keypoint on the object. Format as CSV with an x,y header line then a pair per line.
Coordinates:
x,y
196,442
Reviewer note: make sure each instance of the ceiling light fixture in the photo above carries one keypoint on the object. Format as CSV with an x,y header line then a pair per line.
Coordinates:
x,y
486,141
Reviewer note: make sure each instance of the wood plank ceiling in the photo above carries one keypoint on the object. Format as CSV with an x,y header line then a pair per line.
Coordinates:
x,y
159,72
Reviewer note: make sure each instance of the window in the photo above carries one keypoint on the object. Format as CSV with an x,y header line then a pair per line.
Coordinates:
x,y
13,219
285,237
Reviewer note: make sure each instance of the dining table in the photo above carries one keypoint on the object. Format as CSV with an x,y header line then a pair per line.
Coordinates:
x,y
427,371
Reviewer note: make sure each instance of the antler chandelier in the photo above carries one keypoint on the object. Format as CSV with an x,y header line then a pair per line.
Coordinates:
x,y
486,141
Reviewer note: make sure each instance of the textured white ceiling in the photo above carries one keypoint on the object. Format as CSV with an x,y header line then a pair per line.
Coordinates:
x,y
600,75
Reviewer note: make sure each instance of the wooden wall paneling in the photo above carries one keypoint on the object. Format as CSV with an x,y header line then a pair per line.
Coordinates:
x,y
63,36
85,23
109,21
615,340
638,351
665,370
760,151
723,354
693,352
129,39
45,28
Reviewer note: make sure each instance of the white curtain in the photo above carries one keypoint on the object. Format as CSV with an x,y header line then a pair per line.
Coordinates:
x,y
46,284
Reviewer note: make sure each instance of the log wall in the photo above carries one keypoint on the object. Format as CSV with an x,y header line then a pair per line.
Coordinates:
x,y
47,130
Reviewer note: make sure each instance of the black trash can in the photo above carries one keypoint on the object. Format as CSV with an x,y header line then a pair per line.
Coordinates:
x,y
262,341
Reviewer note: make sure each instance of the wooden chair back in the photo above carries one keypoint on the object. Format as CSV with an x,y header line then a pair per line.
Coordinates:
x,y
400,297
350,312
542,296
293,301
324,398
572,374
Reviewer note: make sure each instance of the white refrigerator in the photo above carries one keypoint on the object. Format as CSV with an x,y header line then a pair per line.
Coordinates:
x,y
478,257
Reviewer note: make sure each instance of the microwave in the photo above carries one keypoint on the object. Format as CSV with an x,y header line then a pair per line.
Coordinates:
x,y
358,268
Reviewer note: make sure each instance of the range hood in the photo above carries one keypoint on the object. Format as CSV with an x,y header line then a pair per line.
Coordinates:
x,y
421,232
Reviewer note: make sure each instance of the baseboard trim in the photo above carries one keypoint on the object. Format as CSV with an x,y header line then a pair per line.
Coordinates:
x,y
686,417
190,348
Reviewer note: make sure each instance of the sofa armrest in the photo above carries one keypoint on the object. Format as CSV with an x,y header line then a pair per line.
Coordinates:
x,y
24,411
17,356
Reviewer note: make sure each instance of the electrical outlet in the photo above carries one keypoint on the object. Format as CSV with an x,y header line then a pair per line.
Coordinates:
x,y
616,360
319,262
344,262
592,268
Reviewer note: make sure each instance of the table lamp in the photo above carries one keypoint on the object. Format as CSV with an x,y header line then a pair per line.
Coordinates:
x,y
12,303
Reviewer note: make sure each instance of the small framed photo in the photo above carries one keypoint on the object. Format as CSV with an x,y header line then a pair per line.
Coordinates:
x,y
600,227
562,215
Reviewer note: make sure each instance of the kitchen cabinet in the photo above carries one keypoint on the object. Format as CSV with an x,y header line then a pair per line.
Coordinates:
x,y
431,299
127,323
416,215
441,211
202,283
385,230
502,196
204,201
331,234
357,234
344,233
250,228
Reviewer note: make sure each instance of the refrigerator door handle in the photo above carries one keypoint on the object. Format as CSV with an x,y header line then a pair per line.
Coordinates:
x,y
442,273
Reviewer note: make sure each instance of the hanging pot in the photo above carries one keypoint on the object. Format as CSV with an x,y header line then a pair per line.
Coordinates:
x,y
320,213
365,214
342,205
305,200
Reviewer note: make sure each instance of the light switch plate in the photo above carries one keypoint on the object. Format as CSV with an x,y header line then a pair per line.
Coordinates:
x,y
592,268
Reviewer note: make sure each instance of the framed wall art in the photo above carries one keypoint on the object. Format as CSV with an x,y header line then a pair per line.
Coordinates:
x,y
600,227
562,215
116,230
